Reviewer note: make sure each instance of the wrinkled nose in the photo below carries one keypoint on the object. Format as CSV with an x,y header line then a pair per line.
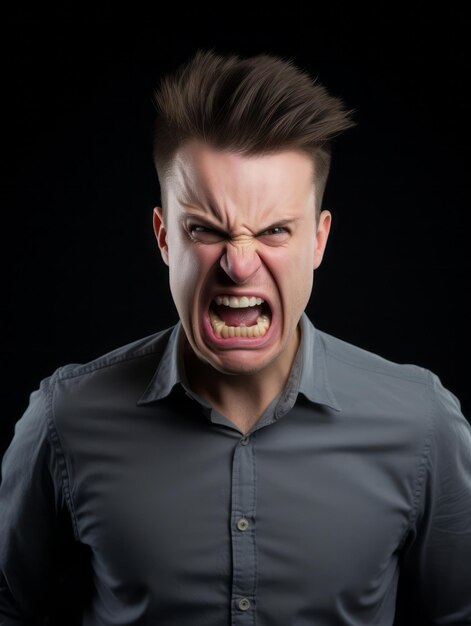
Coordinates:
x,y
240,261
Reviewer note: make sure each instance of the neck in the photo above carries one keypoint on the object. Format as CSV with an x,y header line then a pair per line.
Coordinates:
x,y
231,393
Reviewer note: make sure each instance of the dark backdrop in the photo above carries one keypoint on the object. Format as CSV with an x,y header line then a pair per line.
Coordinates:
x,y
82,273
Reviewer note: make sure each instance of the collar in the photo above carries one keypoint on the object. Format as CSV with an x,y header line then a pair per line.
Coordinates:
x,y
169,371
313,384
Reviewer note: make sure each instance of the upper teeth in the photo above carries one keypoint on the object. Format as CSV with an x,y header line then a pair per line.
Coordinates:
x,y
238,303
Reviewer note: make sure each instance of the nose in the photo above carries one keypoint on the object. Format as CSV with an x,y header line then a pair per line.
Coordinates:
x,y
240,261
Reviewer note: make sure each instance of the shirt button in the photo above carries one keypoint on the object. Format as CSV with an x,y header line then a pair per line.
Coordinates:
x,y
242,523
244,604
245,440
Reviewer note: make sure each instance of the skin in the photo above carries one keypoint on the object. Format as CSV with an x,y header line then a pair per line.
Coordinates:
x,y
240,225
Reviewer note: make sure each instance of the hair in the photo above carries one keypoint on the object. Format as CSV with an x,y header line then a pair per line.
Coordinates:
x,y
253,106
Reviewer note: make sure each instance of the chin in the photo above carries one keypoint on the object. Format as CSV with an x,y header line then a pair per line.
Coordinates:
x,y
239,369
240,362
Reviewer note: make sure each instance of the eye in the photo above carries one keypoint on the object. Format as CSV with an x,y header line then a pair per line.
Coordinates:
x,y
204,234
275,235
275,230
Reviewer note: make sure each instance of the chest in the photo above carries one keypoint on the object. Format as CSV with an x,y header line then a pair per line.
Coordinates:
x,y
311,512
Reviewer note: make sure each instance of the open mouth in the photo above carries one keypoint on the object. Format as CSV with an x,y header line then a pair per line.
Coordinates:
x,y
248,316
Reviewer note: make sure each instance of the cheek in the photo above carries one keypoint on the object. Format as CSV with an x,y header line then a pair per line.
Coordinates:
x,y
304,271
291,265
188,265
292,271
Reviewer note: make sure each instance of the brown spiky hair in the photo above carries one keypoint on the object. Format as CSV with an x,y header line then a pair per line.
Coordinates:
x,y
252,106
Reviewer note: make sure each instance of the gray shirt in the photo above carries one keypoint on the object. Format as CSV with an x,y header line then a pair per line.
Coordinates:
x,y
352,491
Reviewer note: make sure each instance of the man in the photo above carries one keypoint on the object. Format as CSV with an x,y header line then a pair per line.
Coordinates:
x,y
241,467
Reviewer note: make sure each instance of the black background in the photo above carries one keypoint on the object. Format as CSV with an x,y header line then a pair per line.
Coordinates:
x,y
82,274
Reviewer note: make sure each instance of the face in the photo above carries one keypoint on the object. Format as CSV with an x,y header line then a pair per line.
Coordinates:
x,y
240,237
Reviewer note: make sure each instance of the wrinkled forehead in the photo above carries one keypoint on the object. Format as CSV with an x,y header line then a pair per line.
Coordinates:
x,y
208,177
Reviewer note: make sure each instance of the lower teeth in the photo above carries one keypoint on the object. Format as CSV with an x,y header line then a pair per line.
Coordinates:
x,y
222,330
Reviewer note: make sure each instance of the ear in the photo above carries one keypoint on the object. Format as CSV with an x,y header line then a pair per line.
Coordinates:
x,y
161,233
322,234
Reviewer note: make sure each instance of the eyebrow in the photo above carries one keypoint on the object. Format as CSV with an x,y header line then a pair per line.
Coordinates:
x,y
197,206
208,222
285,222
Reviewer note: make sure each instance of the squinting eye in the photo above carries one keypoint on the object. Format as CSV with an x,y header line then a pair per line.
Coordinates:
x,y
275,236
276,230
204,235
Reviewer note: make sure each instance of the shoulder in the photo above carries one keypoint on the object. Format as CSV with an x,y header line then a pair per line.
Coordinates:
x,y
368,380
344,355
149,346
122,373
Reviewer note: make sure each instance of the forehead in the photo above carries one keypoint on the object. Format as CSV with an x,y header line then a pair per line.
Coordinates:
x,y
203,174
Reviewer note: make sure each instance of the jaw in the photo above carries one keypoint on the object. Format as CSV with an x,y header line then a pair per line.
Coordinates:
x,y
270,355
238,354
210,354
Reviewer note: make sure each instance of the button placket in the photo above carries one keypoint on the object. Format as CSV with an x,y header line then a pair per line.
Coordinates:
x,y
243,533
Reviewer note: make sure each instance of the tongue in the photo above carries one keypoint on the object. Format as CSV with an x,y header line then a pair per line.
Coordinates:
x,y
238,317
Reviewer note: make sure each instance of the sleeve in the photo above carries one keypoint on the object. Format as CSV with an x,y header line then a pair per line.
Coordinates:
x,y
435,567
34,521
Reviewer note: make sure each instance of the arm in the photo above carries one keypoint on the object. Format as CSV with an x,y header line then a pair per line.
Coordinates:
x,y
435,579
35,528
